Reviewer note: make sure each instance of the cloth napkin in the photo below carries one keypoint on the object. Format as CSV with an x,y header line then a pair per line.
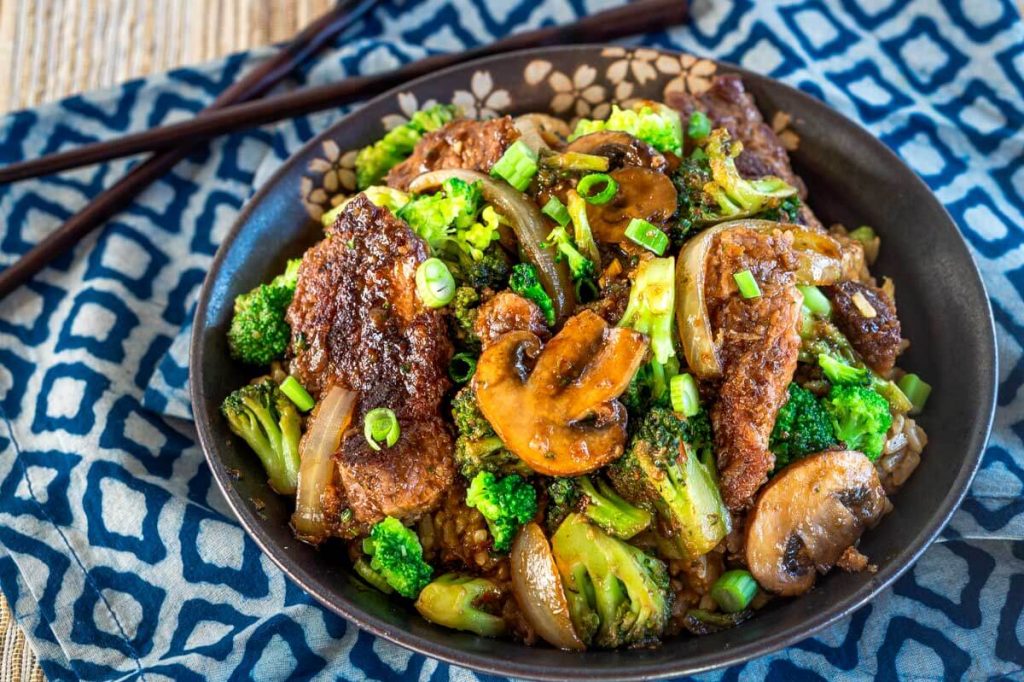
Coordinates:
x,y
120,558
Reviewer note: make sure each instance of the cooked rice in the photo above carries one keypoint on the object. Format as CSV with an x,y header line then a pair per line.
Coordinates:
x,y
904,444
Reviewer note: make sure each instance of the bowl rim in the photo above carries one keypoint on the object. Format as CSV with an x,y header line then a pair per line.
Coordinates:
x,y
895,566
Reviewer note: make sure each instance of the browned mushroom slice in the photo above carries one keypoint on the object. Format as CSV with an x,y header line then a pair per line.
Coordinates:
x,y
554,405
808,515
622,149
642,193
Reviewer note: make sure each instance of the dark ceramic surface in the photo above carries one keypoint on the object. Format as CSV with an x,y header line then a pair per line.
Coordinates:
x,y
852,178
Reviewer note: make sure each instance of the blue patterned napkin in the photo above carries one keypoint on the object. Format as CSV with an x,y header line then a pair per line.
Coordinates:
x,y
120,558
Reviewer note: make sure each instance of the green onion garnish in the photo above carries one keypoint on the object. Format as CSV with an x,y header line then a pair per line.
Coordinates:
x,y
575,161
434,283
517,166
462,367
297,394
684,393
816,301
647,235
734,590
747,284
590,182
557,211
916,390
699,126
380,425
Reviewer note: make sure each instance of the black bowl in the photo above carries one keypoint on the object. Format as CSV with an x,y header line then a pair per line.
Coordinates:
x,y
852,178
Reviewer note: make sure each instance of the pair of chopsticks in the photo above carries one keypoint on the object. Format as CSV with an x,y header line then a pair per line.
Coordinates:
x,y
238,108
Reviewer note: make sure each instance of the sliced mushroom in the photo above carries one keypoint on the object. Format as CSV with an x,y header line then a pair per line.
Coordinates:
x,y
642,193
808,515
555,405
622,149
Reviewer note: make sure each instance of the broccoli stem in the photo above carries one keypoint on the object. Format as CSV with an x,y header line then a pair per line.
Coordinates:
x,y
612,513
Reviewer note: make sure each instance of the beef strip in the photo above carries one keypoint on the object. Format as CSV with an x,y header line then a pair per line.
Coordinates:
x,y
877,338
729,105
758,341
473,145
508,312
357,322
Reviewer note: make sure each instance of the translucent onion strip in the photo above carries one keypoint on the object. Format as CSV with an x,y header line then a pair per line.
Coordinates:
x,y
330,420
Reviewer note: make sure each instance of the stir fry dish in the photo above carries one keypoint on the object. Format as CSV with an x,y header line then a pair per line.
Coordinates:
x,y
591,386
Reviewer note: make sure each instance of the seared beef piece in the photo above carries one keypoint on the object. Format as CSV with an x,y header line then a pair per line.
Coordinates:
x,y
357,322
474,145
356,319
403,480
758,340
876,338
508,312
728,105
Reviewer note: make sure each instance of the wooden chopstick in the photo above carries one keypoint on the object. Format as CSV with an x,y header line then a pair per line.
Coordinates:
x,y
111,200
645,16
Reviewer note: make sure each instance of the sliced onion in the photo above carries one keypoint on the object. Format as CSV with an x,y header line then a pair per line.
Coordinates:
x,y
820,262
529,226
537,587
330,420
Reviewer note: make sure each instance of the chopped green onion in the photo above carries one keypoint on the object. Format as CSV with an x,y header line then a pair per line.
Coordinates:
x,y
517,165
647,235
462,367
380,425
734,590
747,284
434,283
684,393
575,161
297,394
589,182
916,390
557,211
699,126
815,301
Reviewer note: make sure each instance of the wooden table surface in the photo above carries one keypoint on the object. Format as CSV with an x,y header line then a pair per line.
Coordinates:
x,y
50,49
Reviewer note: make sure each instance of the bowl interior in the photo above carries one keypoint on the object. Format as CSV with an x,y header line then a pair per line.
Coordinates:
x,y
852,178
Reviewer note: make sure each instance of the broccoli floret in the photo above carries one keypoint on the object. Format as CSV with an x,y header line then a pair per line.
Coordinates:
x,y
477,447
507,503
580,266
596,500
846,367
490,270
669,468
467,197
563,499
526,283
788,211
459,602
860,417
617,594
398,557
654,123
711,189
464,309
373,162
259,334
268,421
651,311
801,427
